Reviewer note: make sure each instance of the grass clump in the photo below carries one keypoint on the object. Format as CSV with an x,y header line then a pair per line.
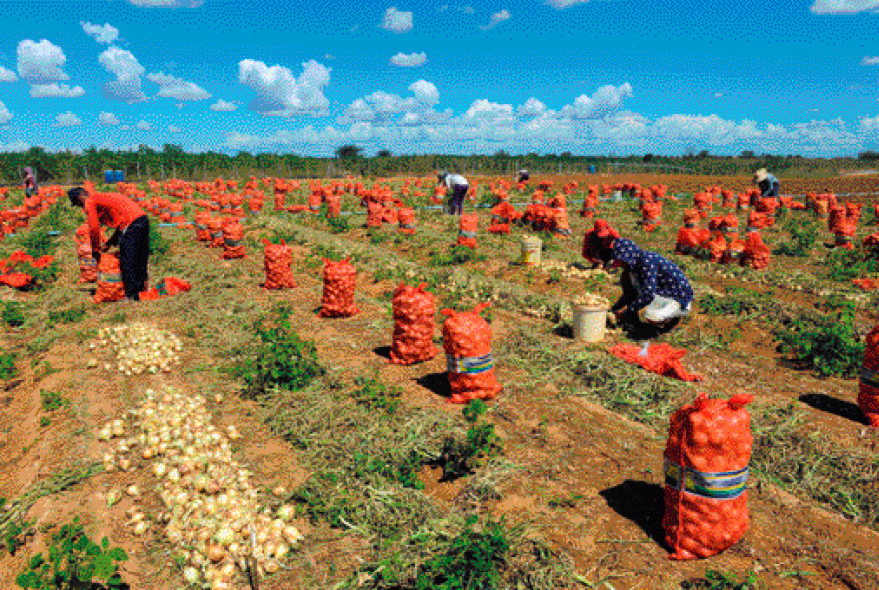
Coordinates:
x,y
719,305
375,395
803,235
69,315
462,457
159,245
338,225
38,242
281,359
52,400
15,534
7,364
454,255
845,265
13,314
830,345
74,562
717,580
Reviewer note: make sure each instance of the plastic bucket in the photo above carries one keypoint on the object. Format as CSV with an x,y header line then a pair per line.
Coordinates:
x,y
589,323
531,250
108,177
119,176
617,196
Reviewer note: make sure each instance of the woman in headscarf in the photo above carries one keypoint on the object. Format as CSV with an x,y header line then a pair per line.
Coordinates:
x,y
650,283
30,182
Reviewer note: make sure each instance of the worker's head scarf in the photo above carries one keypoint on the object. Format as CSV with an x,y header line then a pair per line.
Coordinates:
x,y
626,252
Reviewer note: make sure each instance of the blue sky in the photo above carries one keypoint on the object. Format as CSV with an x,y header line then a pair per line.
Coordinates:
x,y
590,77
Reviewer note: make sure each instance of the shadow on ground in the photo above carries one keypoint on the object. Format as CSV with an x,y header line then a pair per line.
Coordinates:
x,y
641,502
835,406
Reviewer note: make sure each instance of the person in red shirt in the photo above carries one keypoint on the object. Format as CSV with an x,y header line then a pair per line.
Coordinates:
x,y
132,234
30,182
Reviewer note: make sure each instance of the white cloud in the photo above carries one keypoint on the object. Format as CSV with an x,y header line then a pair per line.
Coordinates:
x,y
15,146
496,18
108,119
866,124
223,105
870,61
280,93
41,63
606,99
127,70
562,4
174,129
484,110
410,60
425,92
56,91
5,114
144,126
105,33
67,119
843,6
167,3
171,87
397,21
7,75
384,107
531,108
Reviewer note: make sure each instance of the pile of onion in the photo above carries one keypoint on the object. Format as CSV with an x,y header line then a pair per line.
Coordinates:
x,y
139,348
211,513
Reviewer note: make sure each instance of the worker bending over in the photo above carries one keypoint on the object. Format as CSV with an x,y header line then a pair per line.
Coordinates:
x,y
132,234
458,186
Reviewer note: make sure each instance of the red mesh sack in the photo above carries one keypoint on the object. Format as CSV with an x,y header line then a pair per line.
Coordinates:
x,y
734,249
688,239
561,227
280,199
716,246
374,214
314,202
414,309
469,362
215,230
706,474
277,260
334,205
467,230
165,288
651,212
109,280
844,233
389,215
662,359
233,233
340,280
868,394
88,267
406,218
589,205
16,280
202,233
756,253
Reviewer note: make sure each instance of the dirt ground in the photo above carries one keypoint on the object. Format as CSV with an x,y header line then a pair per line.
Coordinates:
x,y
583,478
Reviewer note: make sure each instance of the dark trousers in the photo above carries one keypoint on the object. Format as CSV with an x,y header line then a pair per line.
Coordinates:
x,y
456,203
134,253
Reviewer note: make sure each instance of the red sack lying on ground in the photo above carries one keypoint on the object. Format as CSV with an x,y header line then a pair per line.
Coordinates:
x,y
867,284
340,280
167,287
406,219
706,473
868,394
233,233
601,235
414,309
469,362
277,260
662,359
110,286
16,280
756,253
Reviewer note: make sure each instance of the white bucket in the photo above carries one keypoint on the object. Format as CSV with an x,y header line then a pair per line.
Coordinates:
x,y
617,196
531,250
589,323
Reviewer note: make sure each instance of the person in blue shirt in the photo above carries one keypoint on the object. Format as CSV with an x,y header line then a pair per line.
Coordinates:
x,y
768,183
457,186
652,284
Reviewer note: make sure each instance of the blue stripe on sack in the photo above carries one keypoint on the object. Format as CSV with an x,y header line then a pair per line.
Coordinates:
x,y
407,226
161,289
726,485
467,234
469,365
870,378
231,243
111,278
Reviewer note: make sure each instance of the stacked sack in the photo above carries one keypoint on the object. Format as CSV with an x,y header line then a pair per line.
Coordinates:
x,y
729,227
202,233
706,473
501,216
88,267
414,309
215,229
467,230
756,252
233,233
651,213
689,238
340,280
469,362
278,260
109,280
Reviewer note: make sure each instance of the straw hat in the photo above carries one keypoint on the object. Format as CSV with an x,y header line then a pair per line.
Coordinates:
x,y
760,175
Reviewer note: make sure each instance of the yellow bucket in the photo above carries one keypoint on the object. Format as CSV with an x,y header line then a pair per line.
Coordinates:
x,y
531,251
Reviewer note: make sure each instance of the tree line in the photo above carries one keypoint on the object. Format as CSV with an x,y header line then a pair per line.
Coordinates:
x,y
172,161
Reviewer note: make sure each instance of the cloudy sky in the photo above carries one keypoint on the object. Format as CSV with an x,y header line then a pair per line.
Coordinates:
x,y
587,76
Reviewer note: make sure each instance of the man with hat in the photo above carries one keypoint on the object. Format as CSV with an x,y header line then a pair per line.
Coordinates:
x,y
769,185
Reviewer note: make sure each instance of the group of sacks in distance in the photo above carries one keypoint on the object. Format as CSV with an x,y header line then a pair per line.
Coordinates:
x,y
18,218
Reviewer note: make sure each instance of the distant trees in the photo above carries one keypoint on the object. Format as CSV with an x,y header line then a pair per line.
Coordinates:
x,y
869,156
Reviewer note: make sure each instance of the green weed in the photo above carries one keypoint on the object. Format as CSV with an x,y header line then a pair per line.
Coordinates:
x,y
7,365
159,245
52,400
454,255
803,235
69,315
460,458
375,395
74,562
716,580
830,345
845,265
13,314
